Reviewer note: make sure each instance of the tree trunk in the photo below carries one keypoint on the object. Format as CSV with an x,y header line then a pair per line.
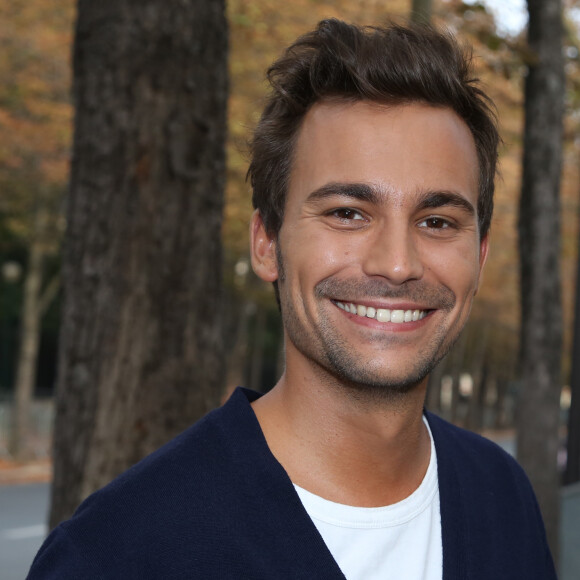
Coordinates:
x,y
29,337
502,417
140,350
421,11
539,245
572,473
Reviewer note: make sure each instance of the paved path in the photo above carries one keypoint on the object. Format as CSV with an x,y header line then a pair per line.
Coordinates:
x,y
23,511
570,533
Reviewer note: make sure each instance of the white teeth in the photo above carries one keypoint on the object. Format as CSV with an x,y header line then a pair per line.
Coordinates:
x,y
383,314
398,316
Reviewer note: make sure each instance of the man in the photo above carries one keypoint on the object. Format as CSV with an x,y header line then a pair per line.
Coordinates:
x,y
372,170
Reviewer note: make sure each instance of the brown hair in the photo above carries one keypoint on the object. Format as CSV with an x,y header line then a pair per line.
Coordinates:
x,y
393,65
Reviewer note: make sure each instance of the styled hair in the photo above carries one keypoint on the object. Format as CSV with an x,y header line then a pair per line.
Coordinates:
x,y
393,65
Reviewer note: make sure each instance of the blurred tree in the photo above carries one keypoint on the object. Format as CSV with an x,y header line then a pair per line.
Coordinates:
x,y
572,473
35,302
140,353
539,245
35,119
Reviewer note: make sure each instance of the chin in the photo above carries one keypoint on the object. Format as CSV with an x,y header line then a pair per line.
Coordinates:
x,y
364,382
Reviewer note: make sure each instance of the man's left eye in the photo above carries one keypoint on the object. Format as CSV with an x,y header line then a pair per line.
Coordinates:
x,y
435,223
346,213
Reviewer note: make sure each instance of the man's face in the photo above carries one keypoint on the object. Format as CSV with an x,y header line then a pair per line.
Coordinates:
x,y
379,256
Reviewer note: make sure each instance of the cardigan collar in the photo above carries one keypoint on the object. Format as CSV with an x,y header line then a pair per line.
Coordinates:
x,y
291,509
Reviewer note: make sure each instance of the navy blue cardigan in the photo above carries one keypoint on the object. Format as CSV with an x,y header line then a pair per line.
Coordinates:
x,y
215,503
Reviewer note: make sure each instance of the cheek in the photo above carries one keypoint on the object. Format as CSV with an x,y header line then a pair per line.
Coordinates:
x,y
315,256
458,270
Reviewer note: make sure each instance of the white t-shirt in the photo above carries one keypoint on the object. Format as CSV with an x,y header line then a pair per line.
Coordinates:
x,y
394,542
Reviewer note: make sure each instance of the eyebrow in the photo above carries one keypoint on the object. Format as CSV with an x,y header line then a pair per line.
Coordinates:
x,y
368,193
359,191
434,199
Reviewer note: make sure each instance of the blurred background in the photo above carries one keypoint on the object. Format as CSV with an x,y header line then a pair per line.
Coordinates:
x,y
477,386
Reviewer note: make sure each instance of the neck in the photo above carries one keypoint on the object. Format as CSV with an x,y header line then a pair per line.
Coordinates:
x,y
342,445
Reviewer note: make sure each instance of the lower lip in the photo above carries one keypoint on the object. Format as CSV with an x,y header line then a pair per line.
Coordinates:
x,y
387,326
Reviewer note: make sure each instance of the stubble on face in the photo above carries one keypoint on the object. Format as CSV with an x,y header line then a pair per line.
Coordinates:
x,y
406,156
332,355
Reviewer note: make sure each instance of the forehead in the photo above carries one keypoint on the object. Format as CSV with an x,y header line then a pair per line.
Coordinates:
x,y
403,149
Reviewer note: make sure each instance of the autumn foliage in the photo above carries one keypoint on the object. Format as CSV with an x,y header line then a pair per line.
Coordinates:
x,y
36,114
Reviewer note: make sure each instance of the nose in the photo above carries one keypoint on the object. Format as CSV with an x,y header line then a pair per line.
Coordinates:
x,y
392,253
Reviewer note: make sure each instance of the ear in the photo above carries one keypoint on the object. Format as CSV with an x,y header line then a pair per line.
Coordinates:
x,y
483,250
263,250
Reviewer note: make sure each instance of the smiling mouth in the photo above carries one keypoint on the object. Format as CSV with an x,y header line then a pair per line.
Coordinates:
x,y
382,314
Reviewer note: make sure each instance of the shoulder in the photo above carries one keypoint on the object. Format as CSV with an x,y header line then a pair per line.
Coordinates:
x,y
202,457
483,480
199,456
163,501
475,456
488,506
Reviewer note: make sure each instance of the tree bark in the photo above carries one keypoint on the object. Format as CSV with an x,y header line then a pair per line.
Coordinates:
x,y
140,350
539,246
